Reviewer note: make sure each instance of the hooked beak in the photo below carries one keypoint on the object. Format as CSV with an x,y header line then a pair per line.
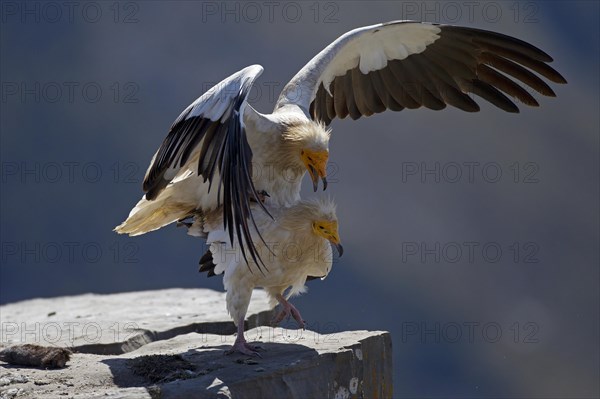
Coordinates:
x,y
329,230
339,248
316,164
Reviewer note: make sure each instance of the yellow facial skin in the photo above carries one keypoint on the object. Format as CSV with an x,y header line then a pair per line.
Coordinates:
x,y
316,164
329,231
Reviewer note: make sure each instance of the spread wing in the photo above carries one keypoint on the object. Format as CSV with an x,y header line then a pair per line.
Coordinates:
x,y
407,64
210,137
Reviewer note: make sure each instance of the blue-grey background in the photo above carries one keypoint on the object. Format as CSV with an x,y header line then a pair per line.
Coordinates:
x,y
89,90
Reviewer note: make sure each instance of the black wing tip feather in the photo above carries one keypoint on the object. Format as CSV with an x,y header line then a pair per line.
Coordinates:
x,y
174,151
491,37
155,190
465,52
207,264
527,54
234,163
225,147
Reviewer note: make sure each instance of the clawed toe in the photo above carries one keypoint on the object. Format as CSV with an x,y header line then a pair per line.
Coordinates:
x,y
245,349
288,311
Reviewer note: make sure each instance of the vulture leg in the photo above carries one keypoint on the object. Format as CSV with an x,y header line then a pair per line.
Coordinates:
x,y
240,345
288,310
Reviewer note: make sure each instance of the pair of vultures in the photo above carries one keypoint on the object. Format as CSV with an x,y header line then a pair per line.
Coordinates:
x,y
202,174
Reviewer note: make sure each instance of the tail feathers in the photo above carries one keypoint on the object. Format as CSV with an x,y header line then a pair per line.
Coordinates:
x,y
207,264
152,215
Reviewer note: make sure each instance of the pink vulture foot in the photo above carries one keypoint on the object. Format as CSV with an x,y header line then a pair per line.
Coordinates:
x,y
244,348
288,310
240,345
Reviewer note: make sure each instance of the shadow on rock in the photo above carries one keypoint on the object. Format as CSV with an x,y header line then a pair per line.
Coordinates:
x,y
205,371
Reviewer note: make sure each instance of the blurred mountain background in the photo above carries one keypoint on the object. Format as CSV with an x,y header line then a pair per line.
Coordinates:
x,y
473,238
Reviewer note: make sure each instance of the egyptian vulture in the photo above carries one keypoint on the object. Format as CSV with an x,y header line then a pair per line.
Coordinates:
x,y
297,248
220,150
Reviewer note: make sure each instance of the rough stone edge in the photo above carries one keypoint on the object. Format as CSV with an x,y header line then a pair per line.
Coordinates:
x,y
380,383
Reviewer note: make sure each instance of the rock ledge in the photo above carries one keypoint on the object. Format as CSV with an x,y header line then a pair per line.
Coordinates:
x,y
174,347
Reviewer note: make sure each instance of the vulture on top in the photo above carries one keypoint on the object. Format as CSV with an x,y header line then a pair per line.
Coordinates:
x,y
221,152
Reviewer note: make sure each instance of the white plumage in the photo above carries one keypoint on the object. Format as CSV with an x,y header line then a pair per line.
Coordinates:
x,y
297,245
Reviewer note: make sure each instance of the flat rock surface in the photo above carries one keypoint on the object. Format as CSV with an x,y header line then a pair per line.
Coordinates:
x,y
119,323
178,363
294,364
